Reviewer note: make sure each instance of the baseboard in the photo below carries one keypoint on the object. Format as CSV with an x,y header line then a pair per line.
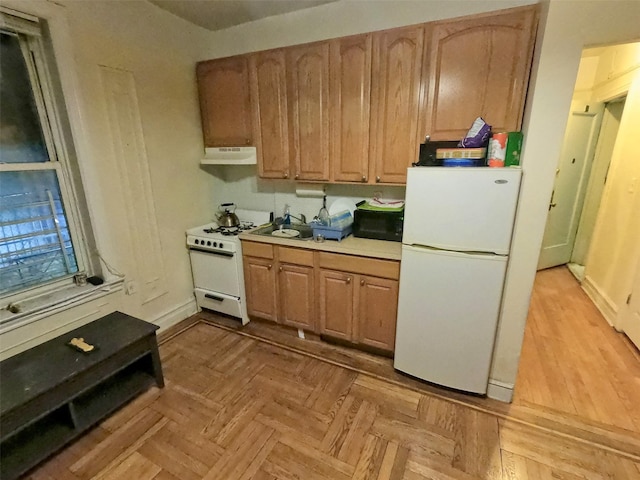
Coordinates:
x,y
500,391
602,302
176,314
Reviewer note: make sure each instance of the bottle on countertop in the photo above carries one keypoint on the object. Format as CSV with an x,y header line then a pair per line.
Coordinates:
x,y
287,214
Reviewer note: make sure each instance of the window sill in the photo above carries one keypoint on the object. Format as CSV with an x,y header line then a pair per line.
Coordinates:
x,y
33,309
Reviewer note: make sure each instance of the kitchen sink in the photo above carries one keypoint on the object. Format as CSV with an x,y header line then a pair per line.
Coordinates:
x,y
305,232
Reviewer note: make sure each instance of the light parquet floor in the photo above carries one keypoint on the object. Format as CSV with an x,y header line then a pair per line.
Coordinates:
x,y
573,361
239,408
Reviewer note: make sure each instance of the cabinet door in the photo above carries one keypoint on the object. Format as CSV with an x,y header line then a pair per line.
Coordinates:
x,y
396,89
260,287
349,108
225,102
271,129
479,67
377,310
297,296
336,304
308,95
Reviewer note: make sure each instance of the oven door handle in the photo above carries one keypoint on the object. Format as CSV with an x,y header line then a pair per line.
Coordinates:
x,y
213,252
213,297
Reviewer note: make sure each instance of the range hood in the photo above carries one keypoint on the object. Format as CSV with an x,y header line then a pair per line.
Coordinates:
x,y
229,156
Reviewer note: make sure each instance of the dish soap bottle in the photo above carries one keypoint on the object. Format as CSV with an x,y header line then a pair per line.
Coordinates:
x,y
287,214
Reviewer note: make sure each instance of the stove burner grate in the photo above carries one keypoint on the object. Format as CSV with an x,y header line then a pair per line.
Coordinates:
x,y
231,231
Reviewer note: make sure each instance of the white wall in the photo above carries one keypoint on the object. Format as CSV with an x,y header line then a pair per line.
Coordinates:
x,y
615,246
159,51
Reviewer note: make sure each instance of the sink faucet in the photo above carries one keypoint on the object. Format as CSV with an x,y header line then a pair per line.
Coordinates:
x,y
302,218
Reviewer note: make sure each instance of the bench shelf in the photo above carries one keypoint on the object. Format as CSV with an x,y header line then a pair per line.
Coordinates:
x,y
52,393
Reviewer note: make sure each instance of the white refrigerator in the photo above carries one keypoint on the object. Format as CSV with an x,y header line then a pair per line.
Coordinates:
x,y
458,223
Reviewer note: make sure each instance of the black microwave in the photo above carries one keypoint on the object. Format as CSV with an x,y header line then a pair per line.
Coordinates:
x,y
380,225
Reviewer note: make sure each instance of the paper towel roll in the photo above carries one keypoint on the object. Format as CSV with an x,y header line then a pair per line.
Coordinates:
x,y
310,190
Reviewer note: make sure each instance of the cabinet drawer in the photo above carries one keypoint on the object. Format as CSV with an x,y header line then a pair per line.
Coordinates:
x,y
295,256
363,265
255,249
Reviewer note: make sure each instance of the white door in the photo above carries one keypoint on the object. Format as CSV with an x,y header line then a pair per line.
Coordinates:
x,y
597,178
629,314
570,185
448,308
461,209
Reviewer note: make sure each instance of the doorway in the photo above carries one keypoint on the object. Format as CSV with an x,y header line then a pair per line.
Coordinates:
x,y
572,360
591,227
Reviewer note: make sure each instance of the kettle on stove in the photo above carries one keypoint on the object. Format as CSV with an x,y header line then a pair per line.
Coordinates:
x,y
227,217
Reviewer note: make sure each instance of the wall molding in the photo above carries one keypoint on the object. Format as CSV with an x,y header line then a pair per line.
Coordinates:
x,y
614,87
501,391
603,303
176,314
130,158
34,333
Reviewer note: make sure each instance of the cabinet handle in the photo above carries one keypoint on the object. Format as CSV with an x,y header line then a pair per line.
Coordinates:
x,y
348,280
285,175
269,266
280,269
362,282
297,176
364,178
378,179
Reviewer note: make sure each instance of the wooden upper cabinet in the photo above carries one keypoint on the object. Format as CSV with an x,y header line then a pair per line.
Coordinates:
x,y
225,102
479,67
396,90
350,71
308,97
271,129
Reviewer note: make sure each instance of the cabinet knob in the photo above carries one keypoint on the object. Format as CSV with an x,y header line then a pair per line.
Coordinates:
x,y
427,139
297,176
247,142
377,179
362,282
364,178
280,269
285,175
348,280
269,266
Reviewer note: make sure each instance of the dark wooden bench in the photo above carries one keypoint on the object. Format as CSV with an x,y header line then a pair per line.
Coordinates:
x,y
52,393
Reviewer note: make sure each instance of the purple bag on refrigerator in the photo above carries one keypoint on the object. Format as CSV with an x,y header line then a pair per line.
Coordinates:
x,y
477,136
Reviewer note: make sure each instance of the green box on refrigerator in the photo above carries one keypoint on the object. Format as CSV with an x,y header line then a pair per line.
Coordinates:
x,y
513,148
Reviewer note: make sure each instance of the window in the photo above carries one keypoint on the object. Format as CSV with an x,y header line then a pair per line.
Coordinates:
x,y
39,246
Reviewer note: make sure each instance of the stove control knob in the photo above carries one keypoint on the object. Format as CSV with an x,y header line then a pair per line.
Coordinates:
x,y
196,241
220,244
215,244
208,244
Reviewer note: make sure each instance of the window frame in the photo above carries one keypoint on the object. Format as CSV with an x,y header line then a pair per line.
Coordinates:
x,y
51,110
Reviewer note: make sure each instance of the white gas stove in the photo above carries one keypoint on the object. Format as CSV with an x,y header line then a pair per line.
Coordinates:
x,y
216,264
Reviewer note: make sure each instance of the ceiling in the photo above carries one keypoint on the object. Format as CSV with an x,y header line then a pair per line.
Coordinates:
x,y
219,14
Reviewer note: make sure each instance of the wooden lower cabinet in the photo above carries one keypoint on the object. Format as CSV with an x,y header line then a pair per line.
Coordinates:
x,y
345,297
297,296
360,309
336,304
260,287
377,310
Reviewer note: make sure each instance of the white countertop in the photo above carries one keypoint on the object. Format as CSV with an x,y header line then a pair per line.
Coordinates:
x,y
350,245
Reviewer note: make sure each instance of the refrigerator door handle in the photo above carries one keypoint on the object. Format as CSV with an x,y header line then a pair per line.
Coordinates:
x,y
454,253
